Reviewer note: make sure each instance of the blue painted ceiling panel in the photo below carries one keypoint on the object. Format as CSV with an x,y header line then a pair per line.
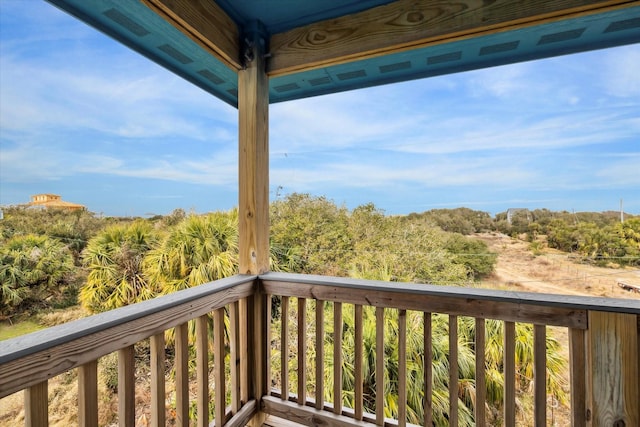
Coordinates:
x,y
558,38
133,24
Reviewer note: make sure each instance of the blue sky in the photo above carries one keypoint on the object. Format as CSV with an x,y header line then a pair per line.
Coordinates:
x,y
84,117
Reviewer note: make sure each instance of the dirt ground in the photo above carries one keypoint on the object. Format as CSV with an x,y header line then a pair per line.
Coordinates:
x,y
552,271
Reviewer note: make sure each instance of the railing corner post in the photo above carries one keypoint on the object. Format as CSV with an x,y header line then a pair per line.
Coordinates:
x,y
613,372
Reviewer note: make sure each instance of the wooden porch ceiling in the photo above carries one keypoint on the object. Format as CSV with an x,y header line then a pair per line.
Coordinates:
x,y
324,46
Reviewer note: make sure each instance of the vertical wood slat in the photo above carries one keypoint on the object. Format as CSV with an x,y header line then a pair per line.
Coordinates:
x,y
428,370
234,356
284,348
358,354
244,350
379,366
268,316
182,375
88,394
337,358
509,374
126,387
481,384
319,354
402,368
613,349
302,351
453,370
219,368
578,369
540,375
36,405
202,370
157,380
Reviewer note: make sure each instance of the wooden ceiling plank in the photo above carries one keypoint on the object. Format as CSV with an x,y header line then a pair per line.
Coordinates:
x,y
205,23
409,24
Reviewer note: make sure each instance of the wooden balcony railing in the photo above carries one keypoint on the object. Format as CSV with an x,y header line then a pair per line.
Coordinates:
x,y
249,383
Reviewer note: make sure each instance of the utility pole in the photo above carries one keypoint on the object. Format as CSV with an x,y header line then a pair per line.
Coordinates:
x,y
621,212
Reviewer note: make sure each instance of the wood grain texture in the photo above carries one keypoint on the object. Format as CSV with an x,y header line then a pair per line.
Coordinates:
x,y
182,375
402,368
36,404
613,347
253,168
509,363
234,356
205,23
481,384
379,366
126,387
410,24
88,394
540,375
157,380
219,355
31,359
319,354
302,351
453,370
578,376
427,366
337,358
284,348
501,307
358,355
202,370
305,415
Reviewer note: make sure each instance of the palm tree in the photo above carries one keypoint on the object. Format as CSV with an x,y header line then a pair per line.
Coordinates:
x,y
114,258
200,249
32,269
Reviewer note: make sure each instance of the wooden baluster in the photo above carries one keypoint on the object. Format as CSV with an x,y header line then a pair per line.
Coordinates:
x,y
284,348
88,394
182,375
202,370
481,385
540,375
218,361
428,371
234,348
358,354
126,387
337,358
157,380
245,388
379,366
302,351
36,405
509,374
402,368
578,376
453,370
319,354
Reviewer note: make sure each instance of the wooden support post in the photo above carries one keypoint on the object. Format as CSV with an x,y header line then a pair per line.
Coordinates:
x,y
253,210
253,151
613,359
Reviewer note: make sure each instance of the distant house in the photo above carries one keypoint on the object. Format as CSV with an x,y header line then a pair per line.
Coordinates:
x,y
53,201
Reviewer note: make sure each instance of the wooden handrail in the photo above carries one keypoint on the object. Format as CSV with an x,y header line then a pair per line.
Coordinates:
x,y
615,321
28,362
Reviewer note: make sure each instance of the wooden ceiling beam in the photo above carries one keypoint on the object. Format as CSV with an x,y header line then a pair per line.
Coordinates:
x,y
205,23
408,24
